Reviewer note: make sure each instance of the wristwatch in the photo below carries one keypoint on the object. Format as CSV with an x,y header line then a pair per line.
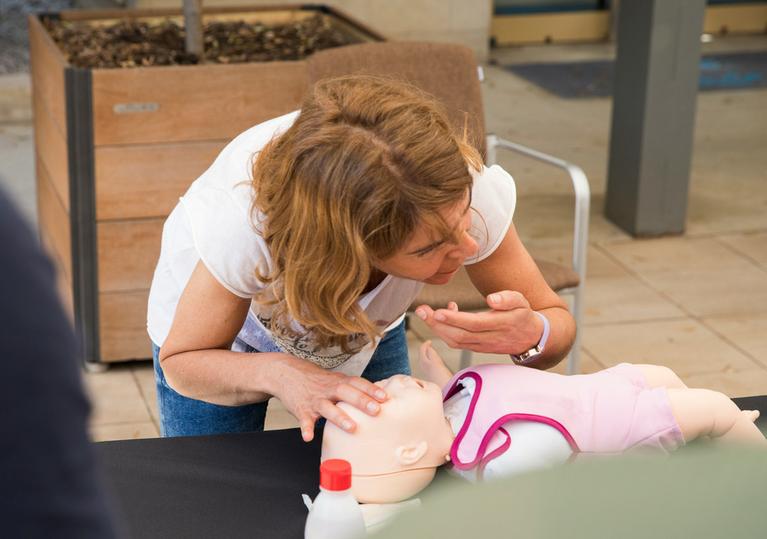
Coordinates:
x,y
537,350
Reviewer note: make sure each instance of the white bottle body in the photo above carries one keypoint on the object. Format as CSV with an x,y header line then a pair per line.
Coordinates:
x,y
334,515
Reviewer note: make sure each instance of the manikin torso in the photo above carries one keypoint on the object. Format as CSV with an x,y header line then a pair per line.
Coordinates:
x,y
612,411
536,445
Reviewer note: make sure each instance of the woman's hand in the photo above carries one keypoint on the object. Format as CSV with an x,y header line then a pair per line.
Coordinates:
x,y
509,327
310,392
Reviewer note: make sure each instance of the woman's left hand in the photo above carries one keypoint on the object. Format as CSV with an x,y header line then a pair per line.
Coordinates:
x,y
509,327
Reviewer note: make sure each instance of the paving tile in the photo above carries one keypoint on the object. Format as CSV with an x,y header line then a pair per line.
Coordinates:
x,y
144,374
116,397
753,245
278,418
124,431
702,275
550,216
748,333
598,264
712,291
711,213
733,384
686,346
675,254
624,299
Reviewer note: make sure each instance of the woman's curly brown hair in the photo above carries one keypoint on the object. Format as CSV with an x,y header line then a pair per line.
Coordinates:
x,y
366,161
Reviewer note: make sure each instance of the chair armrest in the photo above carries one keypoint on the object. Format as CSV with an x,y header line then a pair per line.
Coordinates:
x,y
580,185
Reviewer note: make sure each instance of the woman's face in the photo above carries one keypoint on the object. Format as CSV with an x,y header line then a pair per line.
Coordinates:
x,y
432,260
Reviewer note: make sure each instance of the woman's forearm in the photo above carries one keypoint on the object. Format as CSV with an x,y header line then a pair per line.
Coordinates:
x,y
561,337
225,377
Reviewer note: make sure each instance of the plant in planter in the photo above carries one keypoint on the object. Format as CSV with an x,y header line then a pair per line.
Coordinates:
x,y
125,121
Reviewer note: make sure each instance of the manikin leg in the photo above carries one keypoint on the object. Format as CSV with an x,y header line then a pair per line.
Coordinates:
x,y
703,412
659,376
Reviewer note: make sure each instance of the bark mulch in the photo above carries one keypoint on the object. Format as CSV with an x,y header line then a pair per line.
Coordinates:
x,y
136,43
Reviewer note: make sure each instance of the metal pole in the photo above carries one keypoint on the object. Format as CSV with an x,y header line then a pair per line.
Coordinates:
x,y
193,27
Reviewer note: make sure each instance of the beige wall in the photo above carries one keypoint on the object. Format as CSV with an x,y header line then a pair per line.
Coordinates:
x,y
457,21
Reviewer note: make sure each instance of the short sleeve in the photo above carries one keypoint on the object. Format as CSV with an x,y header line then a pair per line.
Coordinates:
x,y
226,241
494,197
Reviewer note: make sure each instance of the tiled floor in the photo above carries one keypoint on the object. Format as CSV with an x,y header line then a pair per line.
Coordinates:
x,y
697,302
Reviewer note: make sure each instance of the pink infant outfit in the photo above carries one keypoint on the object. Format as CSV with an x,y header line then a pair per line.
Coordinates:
x,y
611,411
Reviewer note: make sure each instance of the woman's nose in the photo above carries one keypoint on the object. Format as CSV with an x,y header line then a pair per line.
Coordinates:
x,y
466,248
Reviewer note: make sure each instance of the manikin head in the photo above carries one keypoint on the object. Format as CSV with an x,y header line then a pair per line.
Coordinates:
x,y
395,454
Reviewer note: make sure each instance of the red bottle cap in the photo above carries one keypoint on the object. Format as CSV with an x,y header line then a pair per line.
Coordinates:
x,y
336,474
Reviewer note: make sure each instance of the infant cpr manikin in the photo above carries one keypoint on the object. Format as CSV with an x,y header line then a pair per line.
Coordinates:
x,y
491,408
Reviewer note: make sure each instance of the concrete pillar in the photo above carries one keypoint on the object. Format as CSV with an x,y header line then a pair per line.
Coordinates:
x,y
654,98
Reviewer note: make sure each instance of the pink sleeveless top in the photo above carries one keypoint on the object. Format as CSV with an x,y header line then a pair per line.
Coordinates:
x,y
611,411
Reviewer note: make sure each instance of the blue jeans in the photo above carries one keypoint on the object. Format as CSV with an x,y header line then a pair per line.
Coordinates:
x,y
184,416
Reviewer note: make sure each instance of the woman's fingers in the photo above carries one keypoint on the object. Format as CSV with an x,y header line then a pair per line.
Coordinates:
x,y
506,300
357,398
337,416
474,322
306,422
368,388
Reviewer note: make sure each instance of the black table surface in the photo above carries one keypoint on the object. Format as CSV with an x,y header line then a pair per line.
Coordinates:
x,y
226,486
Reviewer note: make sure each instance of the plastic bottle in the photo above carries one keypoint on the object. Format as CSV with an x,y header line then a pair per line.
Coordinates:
x,y
335,513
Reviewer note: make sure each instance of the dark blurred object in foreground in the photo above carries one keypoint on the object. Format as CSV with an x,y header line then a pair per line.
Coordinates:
x,y
50,486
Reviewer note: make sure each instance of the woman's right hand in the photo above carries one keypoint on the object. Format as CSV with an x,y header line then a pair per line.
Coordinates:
x,y
310,392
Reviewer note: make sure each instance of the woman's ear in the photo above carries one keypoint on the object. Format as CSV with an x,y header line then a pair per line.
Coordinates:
x,y
410,454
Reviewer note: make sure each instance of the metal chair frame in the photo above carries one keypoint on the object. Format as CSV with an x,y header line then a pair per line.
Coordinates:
x,y
582,192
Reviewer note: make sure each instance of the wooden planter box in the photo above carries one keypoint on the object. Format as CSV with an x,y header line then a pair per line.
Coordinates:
x,y
115,148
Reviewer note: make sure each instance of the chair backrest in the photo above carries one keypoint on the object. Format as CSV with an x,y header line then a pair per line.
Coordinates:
x,y
444,70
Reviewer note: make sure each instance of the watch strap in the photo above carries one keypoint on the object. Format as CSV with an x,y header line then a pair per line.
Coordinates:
x,y
536,350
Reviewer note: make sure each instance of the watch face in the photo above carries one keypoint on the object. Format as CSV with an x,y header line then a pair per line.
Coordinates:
x,y
527,357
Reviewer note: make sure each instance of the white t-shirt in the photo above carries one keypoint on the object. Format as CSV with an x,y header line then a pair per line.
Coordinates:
x,y
212,222
534,445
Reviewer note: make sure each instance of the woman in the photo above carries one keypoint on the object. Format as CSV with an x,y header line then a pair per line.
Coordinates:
x,y
286,267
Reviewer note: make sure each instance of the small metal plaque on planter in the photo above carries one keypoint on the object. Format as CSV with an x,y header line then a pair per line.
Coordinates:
x,y
130,108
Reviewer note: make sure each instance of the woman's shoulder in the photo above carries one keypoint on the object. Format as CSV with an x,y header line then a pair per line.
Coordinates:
x,y
489,182
234,164
253,139
493,199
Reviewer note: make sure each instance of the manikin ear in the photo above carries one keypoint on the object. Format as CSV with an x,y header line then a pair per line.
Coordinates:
x,y
410,454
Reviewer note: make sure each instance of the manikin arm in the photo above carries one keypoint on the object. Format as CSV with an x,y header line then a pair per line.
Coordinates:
x,y
433,367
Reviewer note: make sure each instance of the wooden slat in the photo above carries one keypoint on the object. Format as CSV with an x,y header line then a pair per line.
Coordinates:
x,y
47,65
128,253
53,220
547,27
161,13
66,295
51,148
122,326
192,103
63,279
146,180
736,19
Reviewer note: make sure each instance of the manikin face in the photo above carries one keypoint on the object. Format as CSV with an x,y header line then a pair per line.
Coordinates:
x,y
431,259
394,454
